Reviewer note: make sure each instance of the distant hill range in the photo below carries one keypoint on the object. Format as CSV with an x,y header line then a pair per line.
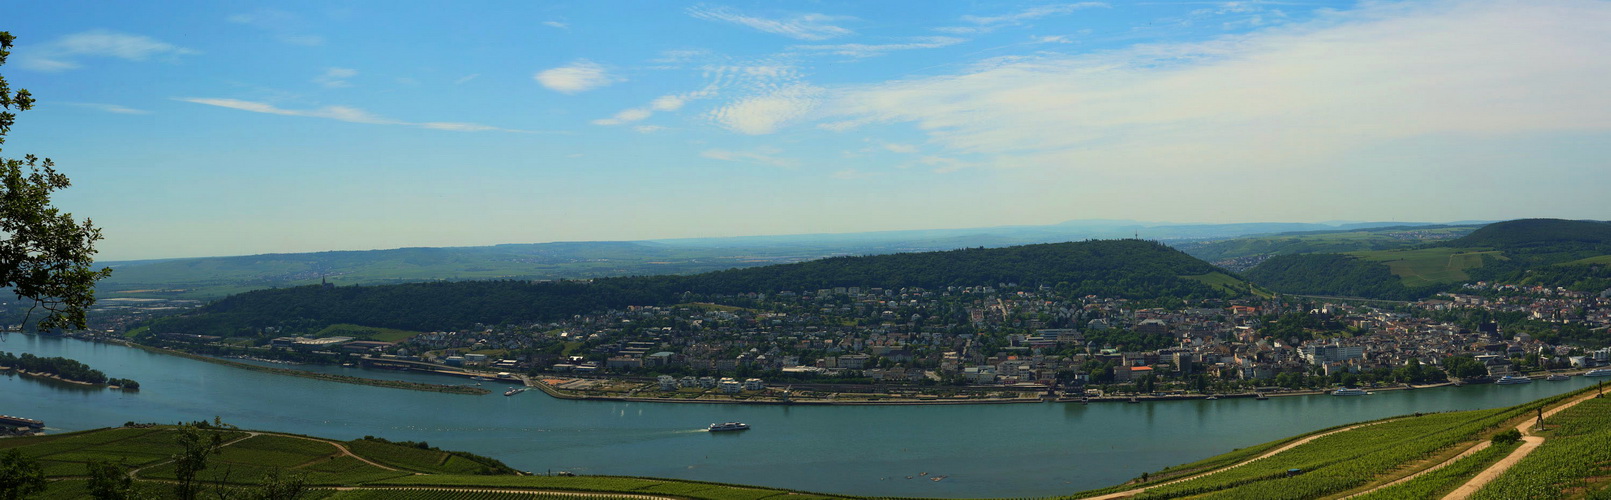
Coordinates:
x,y
1552,252
1115,268
216,277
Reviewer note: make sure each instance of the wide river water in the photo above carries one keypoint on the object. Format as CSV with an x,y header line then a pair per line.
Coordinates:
x,y
1011,450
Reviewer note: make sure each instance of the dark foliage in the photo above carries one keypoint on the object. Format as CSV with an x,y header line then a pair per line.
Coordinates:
x,y
1536,233
61,367
1334,274
1115,268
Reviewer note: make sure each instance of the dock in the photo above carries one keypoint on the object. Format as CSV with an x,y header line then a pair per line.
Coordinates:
x,y
10,421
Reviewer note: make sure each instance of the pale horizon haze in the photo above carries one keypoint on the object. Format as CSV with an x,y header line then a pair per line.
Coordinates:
x,y
194,128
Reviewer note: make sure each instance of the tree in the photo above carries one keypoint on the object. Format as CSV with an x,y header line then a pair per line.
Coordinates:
x,y
46,255
109,481
196,446
20,476
1464,367
280,487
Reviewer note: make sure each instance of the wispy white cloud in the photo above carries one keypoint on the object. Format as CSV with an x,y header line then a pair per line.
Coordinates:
x,y
109,108
65,53
798,26
285,26
870,50
899,148
986,24
580,76
625,116
761,156
556,24
1051,39
681,56
466,79
335,77
668,103
648,129
766,113
340,113
1289,97
672,102
1033,13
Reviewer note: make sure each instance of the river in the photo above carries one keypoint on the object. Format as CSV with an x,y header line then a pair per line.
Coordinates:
x,y
1012,450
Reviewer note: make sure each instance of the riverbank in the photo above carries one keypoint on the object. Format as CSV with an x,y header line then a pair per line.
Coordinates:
x,y
393,384
836,399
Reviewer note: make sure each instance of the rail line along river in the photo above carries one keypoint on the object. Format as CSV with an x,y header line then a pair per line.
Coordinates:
x,y
1013,450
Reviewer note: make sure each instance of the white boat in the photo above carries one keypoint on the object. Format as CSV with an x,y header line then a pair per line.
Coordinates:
x,y
1512,380
1558,377
514,390
1599,372
1346,391
728,426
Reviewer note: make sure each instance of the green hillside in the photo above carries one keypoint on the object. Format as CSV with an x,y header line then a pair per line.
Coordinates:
x,y
249,463
1114,268
1538,233
1342,241
215,277
1420,267
1333,275
1528,251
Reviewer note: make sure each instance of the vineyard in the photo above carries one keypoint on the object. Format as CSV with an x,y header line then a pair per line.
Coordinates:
x,y
1331,465
1574,461
1439,482
1338,462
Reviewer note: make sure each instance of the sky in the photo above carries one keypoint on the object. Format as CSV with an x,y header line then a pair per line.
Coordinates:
x,y
203,128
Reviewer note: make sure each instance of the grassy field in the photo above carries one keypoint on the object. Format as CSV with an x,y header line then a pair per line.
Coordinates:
x,y
1426,266
1226,283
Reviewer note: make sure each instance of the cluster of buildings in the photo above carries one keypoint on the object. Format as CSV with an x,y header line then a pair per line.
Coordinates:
x,y
1008,335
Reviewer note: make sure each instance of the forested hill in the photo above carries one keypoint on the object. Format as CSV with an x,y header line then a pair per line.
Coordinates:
x,y
1535,233
1551,252
1114,268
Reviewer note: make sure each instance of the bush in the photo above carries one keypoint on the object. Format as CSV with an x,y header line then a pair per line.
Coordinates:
x,y
1507,437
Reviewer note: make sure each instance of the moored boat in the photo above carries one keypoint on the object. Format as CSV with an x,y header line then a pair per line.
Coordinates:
x,y
1512,380
1598,372
1558,377
514,390
1348,391
728,426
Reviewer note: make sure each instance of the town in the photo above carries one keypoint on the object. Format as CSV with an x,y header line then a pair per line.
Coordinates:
x,y
1007,342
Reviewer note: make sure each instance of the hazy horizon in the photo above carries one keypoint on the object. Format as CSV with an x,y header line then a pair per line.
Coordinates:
x,y
206,129
1117,222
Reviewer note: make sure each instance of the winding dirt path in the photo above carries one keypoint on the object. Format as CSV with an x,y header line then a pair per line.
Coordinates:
x,y
343,448
1277,451
1530,443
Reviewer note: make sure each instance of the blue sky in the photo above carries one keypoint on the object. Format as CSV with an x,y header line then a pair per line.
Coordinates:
x,y
228,128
